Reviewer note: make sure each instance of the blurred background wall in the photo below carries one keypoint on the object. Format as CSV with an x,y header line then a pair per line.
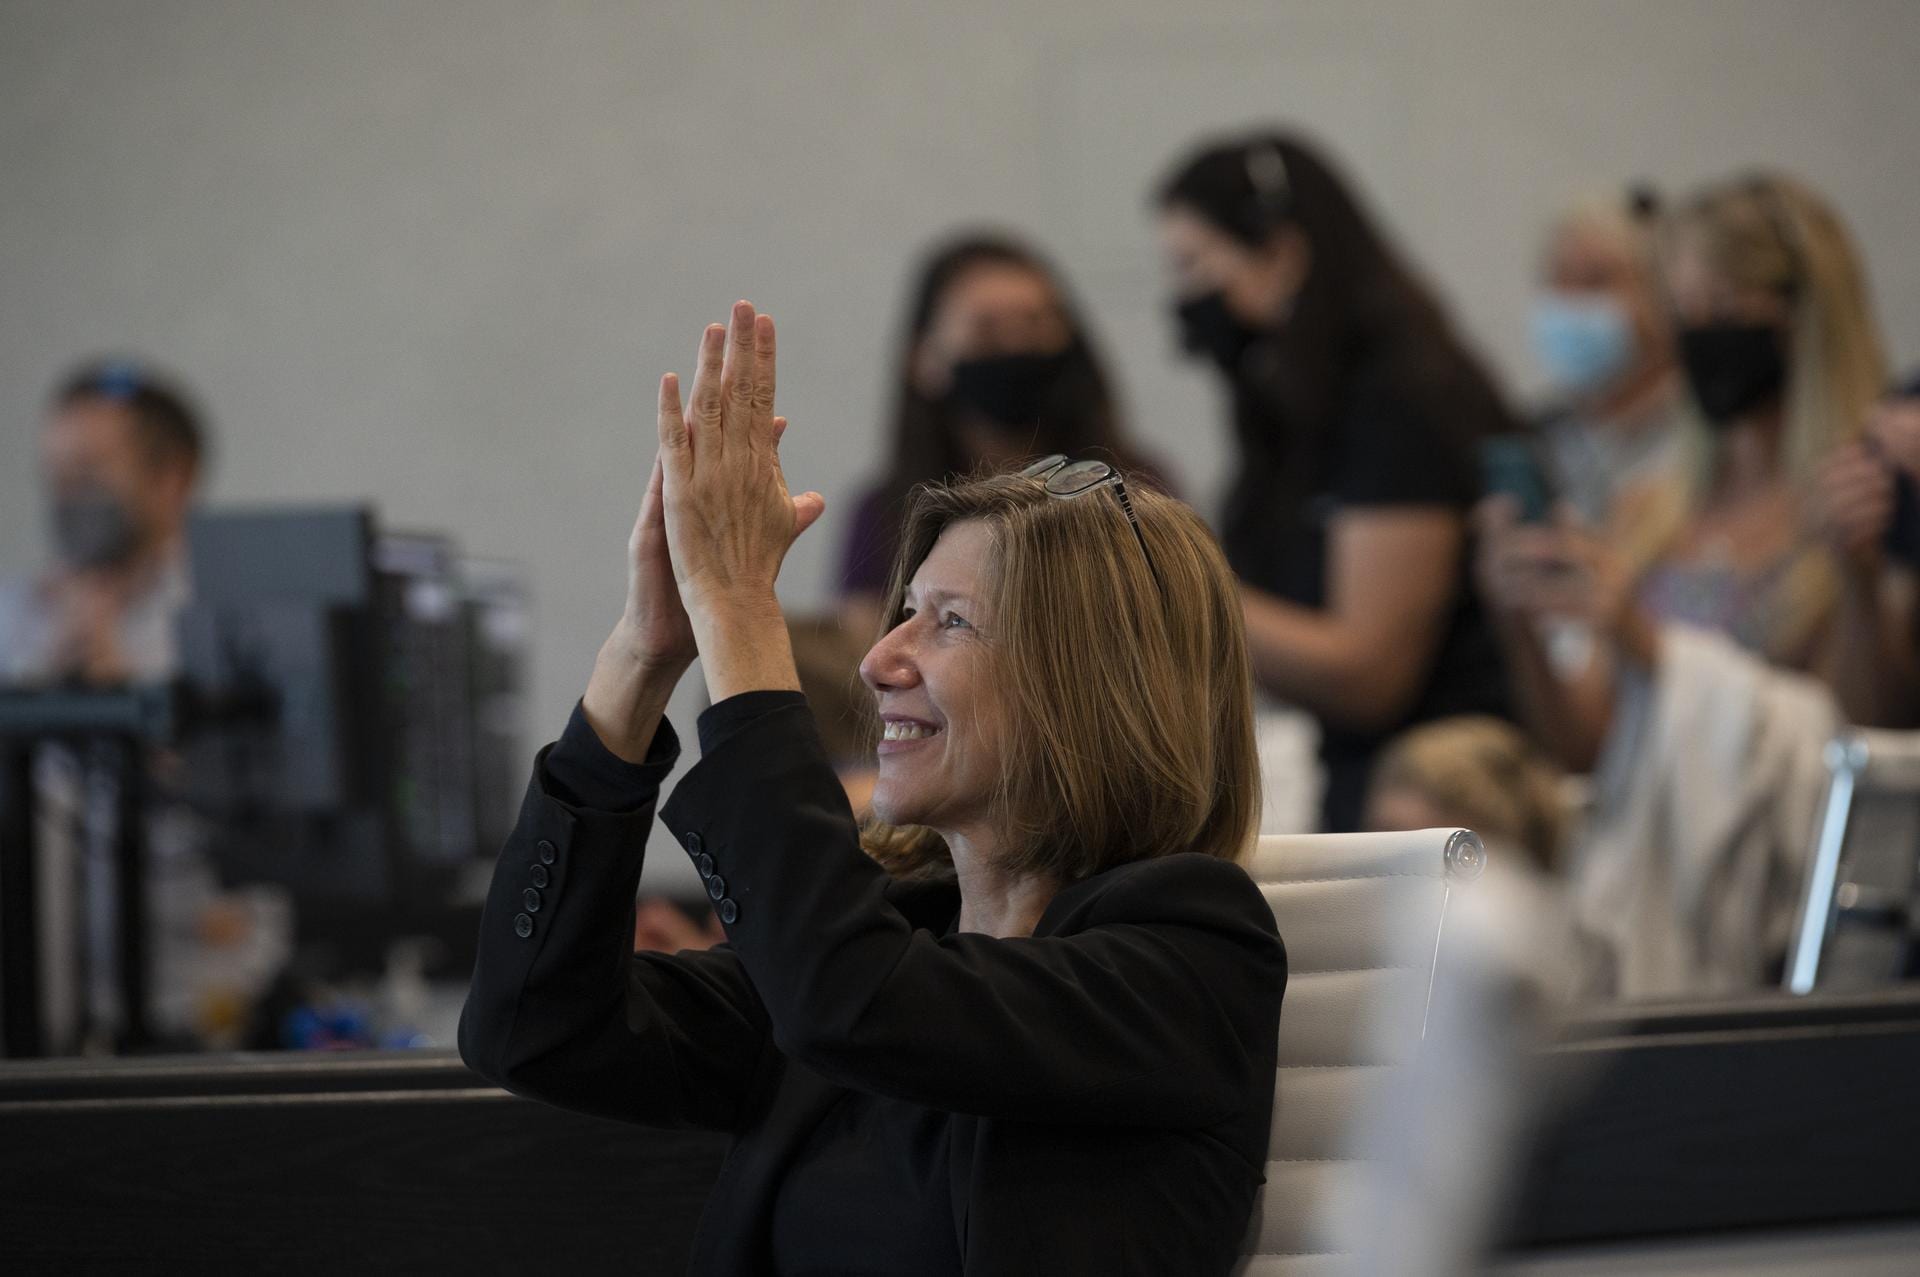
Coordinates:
x,y
435,254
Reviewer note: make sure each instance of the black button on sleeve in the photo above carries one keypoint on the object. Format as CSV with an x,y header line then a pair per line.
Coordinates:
x,y
547,852
716,887
704,863
522,925
692,842
538,875
530,900
729,912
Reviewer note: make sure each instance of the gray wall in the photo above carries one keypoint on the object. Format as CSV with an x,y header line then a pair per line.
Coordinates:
x,y
435,254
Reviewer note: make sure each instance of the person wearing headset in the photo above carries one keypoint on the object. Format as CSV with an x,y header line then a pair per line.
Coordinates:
x,y
1357,414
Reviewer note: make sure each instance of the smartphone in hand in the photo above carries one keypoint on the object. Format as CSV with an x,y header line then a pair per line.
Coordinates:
x,y
1511,466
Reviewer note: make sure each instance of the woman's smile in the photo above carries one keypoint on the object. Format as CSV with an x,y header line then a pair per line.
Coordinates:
x,y
899,733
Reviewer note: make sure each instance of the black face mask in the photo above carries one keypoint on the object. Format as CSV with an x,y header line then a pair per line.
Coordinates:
x,y
94,529
1007,390
1732,368
1209,329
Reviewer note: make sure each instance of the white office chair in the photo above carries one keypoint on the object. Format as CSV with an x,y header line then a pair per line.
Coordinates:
x,y
1364,921
1857,910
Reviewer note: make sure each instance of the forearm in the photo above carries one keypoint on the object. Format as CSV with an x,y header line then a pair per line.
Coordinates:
x,y
1570,716
744,645
560,1008
627,696
1314,660
555,930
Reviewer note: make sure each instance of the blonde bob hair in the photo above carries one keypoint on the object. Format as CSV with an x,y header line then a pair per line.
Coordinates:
x,y
1126,688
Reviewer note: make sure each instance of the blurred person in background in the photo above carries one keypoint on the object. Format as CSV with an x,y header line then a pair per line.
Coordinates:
x,y
1615,437
1486,774
1478,773
1783,364
123,454
121,458
1439,1141
995,366
1357,414
1717,675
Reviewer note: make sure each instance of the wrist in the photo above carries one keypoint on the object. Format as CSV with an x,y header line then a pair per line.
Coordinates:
x,y
628,650
744,647
708,604
627,695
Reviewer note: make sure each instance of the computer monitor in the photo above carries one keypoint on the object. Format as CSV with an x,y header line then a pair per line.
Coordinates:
x,y
288,760
359,697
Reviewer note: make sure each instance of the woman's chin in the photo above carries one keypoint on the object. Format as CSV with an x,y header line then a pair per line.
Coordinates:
x,y
899,804
890,809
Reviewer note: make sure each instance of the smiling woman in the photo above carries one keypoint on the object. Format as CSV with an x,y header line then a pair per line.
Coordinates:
x,y
1046,1040
1078,660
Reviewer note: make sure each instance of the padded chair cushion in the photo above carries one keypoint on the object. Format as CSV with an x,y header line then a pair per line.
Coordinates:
x,y
1362,915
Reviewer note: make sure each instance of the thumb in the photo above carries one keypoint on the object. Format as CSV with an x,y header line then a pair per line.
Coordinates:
x,y
807,509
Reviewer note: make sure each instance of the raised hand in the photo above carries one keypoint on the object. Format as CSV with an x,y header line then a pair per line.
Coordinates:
x,y
655,620
651,647
729,517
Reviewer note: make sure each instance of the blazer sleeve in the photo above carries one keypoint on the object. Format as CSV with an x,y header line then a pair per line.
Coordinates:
x,y
562,1010
1160,1008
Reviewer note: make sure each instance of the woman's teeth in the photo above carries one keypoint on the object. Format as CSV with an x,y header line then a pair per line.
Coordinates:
x,y
908,731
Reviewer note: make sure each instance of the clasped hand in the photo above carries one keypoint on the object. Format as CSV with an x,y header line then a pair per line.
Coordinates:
x,y
714,526
717,519
1558,569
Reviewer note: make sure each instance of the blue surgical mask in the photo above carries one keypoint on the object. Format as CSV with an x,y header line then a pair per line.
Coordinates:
x,y
1584,339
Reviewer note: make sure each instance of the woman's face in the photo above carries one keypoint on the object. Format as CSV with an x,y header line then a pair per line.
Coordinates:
x,y
1585,261
991,309
1702,294
932,680
1734,338
1257,284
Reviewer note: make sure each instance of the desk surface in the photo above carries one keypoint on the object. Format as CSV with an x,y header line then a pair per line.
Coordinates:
x,y
1714,1117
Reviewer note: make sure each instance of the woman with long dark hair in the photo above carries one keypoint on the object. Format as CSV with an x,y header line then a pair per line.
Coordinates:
x,y
995,365
1358,414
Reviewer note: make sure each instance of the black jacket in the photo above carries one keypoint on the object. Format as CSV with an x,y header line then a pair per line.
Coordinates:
x,y
1110,1079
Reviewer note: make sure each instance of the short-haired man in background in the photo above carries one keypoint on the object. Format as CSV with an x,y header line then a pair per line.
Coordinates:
x,y
122,454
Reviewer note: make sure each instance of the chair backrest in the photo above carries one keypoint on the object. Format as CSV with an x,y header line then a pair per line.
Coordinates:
x,y
1363,917
1857,910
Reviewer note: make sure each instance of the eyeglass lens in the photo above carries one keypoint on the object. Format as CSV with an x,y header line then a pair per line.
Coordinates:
x,y
1077,477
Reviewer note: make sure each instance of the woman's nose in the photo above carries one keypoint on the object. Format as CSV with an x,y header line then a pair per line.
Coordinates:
x,y
889,664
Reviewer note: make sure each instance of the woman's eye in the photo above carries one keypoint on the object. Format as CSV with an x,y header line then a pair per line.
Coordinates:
x,y
954,621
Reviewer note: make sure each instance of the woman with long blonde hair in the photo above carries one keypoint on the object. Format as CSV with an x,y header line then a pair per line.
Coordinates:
x,y
1783,362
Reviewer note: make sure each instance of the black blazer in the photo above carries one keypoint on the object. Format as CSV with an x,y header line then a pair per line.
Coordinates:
x,y
1110,1079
